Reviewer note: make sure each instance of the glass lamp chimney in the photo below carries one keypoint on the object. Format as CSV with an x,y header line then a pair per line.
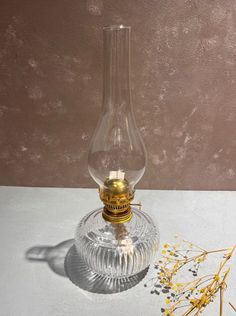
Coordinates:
x,y
117,150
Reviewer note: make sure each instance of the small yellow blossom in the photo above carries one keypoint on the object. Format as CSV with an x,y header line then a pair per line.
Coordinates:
x,y
193,302
217,278
179,284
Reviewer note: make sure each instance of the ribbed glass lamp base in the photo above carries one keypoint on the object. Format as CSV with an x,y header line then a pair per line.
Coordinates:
x,y
112,256
82,276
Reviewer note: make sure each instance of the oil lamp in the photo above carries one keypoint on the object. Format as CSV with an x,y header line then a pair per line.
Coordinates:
x,y
117,241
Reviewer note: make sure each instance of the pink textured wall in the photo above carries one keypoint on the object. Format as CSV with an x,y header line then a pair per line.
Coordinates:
x,y
183,84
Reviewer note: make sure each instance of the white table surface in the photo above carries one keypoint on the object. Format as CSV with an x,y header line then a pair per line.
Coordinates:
x,y
46,216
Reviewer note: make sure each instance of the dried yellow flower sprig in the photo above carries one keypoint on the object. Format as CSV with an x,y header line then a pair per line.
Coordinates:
x,y
191,297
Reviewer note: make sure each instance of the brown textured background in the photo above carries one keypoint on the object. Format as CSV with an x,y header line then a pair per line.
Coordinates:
x,y
183,85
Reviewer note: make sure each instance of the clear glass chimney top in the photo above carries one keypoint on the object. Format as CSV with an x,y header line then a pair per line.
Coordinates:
x,y
116,149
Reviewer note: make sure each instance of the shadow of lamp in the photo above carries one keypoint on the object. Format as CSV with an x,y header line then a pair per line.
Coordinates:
x,y
54,256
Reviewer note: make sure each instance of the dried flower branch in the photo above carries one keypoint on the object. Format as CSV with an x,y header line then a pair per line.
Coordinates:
x,y
194,296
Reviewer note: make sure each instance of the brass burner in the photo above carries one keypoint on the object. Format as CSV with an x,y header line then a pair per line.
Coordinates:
x,y
116,196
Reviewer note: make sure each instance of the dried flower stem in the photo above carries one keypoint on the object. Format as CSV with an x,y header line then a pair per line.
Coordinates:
x,y
202,254
221,300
